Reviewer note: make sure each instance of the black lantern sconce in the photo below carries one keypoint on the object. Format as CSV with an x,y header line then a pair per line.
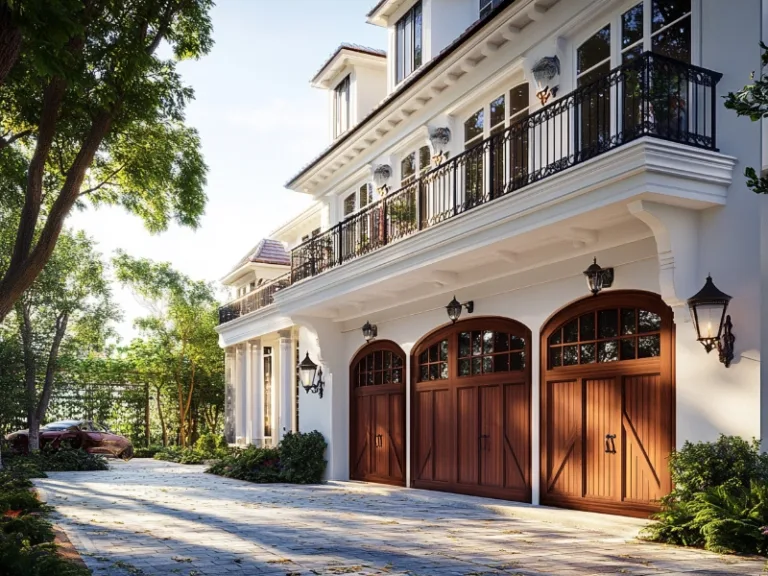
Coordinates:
x,y
311,376
370,331
708,309
598,278
454,309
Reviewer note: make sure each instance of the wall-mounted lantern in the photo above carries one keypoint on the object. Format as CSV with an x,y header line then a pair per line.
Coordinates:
x,y
454,308
598,278
381,175
546,72
370,331
311,376
708,311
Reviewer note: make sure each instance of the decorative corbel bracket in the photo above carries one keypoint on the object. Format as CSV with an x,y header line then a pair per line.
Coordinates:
x,y
676,231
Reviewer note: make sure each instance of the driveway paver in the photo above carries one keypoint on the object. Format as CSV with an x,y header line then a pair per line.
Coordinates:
x,y
155,518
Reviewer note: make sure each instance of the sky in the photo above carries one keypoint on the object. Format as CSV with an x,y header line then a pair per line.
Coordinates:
x,y
259,121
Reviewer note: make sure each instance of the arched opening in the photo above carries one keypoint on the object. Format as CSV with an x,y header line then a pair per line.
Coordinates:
x,y
470,417
608,403
377,414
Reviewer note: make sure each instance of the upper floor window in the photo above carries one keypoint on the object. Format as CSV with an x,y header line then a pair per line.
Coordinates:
x,y
414,164
487,6
408,43
357,200
341,108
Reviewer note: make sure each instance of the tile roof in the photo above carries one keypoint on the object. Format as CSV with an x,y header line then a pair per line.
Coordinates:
x,y
353,48
267,251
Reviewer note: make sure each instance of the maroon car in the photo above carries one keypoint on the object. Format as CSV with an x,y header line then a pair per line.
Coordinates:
x,y
94,438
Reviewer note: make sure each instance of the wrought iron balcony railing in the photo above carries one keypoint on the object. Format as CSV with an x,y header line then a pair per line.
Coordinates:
x,y
650,96
259,298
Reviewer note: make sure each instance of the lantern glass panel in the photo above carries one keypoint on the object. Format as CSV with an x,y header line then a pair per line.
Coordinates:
x,y
709,320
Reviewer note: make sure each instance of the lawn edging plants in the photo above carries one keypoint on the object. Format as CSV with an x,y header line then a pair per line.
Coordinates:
x,y
720,499
27,545
299,459
209,447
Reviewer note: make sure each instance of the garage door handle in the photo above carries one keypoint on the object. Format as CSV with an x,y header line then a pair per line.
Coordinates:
x,y
379,441
610,444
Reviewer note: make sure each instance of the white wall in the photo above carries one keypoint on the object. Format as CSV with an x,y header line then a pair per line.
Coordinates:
x,y
369,89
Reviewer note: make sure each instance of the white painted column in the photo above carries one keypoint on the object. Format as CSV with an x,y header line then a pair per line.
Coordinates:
x,y
286,382
535,422
257,404
240,394
229,395
255,423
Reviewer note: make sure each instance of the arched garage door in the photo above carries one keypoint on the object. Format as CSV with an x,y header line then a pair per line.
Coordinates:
x,y
377,414
607,404
471,409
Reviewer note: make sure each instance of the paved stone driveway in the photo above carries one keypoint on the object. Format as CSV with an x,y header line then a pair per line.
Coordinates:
x,y
154,518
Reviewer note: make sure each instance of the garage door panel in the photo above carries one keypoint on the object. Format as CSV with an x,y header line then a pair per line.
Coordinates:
x,y
645,426
516,437
396,435
467,437
602,439
564,438
491,444
362,452
443,441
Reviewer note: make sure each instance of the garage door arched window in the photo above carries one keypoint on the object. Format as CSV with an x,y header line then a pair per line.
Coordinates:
x,y
612,334
471,428
379,367
377,413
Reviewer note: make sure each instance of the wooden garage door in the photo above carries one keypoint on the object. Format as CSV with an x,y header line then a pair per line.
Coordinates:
x,y
471,409
607,404
377,434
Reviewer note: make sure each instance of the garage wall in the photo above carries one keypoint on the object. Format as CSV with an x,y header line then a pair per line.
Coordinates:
x,y
710,398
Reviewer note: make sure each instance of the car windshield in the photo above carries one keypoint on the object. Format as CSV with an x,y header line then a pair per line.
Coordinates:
x,y
64,425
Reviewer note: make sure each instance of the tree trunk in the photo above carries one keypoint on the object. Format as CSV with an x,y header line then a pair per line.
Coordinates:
x,y
30,373
10,41
50,369
162,418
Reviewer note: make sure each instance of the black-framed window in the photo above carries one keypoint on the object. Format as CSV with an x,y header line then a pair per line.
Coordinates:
x,y
486,6
408,43
341,108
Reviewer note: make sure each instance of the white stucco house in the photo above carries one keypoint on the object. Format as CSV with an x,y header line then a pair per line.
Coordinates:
x,y
492,154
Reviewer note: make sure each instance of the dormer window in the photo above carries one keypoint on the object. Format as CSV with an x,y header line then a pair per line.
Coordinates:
x,y
408,43
487,6
341,108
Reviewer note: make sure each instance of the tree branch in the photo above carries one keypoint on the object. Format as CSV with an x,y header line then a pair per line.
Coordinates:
x,y
7,141
162,29
104,182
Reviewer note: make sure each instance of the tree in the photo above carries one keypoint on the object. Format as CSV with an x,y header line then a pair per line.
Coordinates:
x,y
96,117
67,311
752,101
183,325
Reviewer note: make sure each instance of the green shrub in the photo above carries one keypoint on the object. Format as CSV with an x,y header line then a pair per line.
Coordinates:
x,y
18,557
207,444
32,528
260,465
720,499
180,455
146,451
298,460
23,500
302,458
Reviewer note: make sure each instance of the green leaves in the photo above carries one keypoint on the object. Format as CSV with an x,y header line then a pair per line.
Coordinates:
x,y
752,101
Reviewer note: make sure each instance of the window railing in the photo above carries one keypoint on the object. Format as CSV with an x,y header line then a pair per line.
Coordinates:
x,y
255,300
650,96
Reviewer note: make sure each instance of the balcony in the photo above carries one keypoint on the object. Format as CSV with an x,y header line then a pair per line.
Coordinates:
x,y
259,298
652,96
